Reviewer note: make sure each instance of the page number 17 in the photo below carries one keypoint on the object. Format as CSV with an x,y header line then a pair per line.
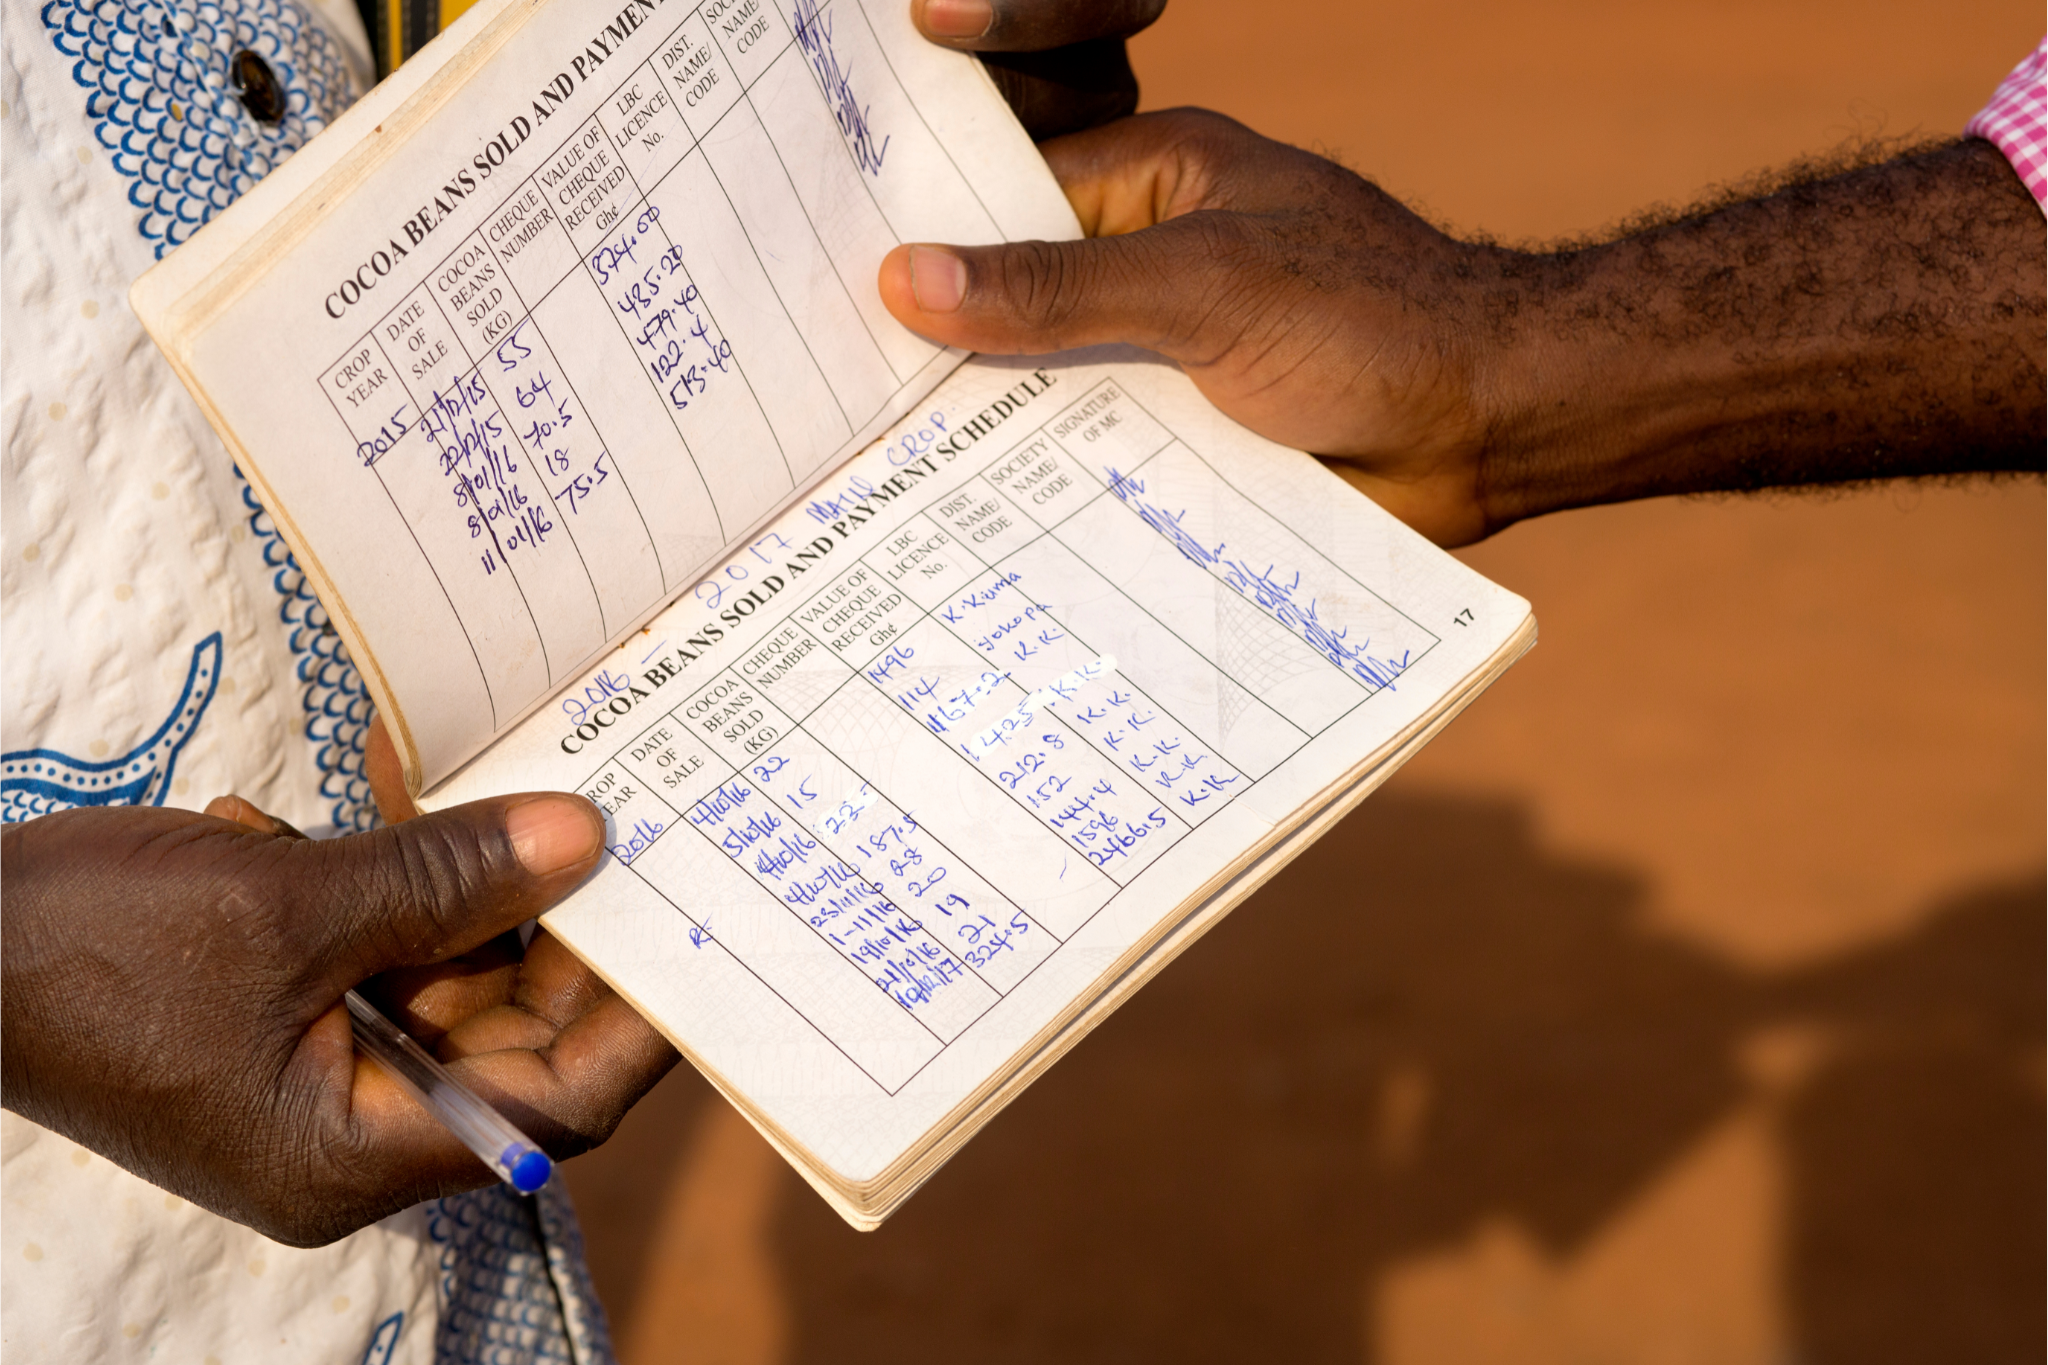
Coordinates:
x,y
1463,618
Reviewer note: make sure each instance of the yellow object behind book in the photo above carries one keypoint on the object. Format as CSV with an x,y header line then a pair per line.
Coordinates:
x,y
399,28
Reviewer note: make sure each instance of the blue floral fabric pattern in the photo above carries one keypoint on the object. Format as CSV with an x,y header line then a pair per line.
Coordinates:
x,y
162,97
582,1312
383,1341
502,1299
336,704
39,781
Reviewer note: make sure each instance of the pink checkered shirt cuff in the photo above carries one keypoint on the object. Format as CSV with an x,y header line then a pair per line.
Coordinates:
x,y
2016,122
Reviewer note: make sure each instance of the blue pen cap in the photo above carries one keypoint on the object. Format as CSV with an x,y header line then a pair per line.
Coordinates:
x,y
527,1169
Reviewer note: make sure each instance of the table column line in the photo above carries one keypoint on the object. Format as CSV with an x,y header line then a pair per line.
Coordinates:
x,y
1110,755
1194,649
1102,491
747,93
861,178
477,367
698,147
1043,533
748,968
1116,888
887,900
683,817
927,613
490,696
855,675
880,894
582,267
1174,438
668,408
588,413
964,862
469,490
911,100
1434,638
738,363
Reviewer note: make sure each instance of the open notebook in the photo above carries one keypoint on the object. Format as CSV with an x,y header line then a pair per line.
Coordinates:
x,y
934,702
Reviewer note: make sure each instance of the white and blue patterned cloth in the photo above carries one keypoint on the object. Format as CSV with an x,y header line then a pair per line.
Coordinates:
x,y
160,92
161,647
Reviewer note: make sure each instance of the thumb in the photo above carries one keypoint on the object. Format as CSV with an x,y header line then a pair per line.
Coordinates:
x,y
1179,289
436,886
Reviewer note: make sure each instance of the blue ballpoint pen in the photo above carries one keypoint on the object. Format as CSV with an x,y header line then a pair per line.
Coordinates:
x,y
516,1158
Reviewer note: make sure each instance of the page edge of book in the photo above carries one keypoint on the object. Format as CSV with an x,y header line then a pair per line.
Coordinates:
x,y
1197,922
866,1204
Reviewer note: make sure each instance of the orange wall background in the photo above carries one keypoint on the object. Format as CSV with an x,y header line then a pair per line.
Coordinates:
x,y
1681,1004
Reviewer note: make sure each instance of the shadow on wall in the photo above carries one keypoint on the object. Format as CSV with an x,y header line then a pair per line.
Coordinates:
x,y
1425,1027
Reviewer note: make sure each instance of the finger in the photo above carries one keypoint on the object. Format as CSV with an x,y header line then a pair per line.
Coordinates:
x,y
1195,223
429,1001
554,988
570,1092
563,1059
249,815
385,1140
1140,172
568,1097
1029,25
387,775
1178,289
1156,172
434,887
1067,89
566,1058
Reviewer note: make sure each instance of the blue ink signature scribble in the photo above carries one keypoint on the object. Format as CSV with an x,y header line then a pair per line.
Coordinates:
x,y
1259,586
814,38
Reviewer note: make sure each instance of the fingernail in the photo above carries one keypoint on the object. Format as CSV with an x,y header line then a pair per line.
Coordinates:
x,y
227,808
550,833
938,279
958,18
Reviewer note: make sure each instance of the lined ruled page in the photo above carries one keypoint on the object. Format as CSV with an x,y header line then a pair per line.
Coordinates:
x,y
896,791
610,307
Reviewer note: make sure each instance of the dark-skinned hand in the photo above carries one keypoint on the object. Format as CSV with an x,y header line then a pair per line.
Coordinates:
x,y
1882,321
173,983
1061,64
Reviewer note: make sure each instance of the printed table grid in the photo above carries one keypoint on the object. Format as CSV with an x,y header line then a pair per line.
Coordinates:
x,y
913,963
490,457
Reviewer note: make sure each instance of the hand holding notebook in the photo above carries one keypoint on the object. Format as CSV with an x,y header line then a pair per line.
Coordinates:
x,y
932,703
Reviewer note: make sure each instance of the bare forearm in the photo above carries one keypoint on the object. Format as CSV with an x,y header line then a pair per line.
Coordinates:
x,y
1883,322
1879,322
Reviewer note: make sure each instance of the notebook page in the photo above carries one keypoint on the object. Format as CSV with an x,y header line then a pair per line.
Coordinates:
x,y
902,786
606,310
